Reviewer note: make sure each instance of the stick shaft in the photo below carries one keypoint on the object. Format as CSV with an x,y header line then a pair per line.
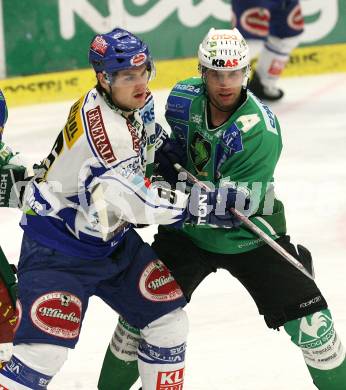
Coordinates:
x,y
264,236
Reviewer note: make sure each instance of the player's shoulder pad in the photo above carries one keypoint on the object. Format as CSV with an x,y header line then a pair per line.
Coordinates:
x,y
180,99
74,125
190,87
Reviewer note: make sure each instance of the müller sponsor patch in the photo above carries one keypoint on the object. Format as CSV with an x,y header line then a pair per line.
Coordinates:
x,y
157,283
99,135
58,313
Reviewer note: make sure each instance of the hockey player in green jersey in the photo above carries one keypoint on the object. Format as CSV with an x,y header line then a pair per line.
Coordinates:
x,y
223,134
10,171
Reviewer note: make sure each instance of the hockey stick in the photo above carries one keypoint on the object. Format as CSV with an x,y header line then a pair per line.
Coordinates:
x,y
267,239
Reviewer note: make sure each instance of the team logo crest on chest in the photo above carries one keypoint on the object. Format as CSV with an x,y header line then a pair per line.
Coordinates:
x,y
200,152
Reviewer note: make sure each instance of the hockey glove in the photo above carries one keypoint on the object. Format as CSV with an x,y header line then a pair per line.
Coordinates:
x,y
213,207
169,153
12,185
12,175
6,154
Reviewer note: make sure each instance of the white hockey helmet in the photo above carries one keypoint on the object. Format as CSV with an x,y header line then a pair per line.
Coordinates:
x,y
224,50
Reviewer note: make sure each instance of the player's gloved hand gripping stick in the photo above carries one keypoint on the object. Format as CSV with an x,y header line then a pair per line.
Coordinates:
x,y
272,243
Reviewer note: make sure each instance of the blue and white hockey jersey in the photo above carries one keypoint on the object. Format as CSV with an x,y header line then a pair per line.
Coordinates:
x,y
95,182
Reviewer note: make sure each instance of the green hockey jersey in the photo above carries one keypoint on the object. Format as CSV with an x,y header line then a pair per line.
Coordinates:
x,y
242,151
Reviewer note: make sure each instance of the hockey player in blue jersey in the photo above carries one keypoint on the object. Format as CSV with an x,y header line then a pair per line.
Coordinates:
x,y
78,224
78,228
272,29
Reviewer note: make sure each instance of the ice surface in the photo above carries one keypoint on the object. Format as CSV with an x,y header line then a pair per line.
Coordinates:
x,y
229,346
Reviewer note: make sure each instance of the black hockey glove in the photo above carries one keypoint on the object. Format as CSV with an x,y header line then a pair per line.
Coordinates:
x,y
212,207
169,153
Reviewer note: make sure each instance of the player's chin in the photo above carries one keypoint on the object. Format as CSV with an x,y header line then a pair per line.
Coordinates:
x,y
226,102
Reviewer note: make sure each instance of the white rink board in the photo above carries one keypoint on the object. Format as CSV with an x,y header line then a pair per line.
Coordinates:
x,y
229,346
